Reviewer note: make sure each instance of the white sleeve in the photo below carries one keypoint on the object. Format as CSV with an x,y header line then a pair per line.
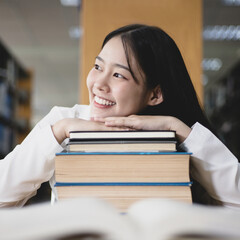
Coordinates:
x,y
30,164
214,166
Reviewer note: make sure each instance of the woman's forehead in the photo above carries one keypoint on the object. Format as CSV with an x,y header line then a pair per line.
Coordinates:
x,y
114,52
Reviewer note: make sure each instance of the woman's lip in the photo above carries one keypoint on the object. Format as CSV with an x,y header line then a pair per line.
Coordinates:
x,y
98,105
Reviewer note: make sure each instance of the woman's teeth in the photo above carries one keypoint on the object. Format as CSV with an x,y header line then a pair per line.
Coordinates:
x,y
103,101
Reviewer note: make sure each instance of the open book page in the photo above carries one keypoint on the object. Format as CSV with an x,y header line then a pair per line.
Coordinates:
x,y
86,218
168,219
95,219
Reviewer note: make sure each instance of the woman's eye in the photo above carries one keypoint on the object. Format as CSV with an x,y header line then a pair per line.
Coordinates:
x,y
97,67
118,75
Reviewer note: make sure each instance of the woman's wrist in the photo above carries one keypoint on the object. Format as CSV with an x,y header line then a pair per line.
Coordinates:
x,y
182,130
59,132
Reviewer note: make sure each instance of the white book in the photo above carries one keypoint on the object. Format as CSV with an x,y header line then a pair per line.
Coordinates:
x,y
83,135
92,219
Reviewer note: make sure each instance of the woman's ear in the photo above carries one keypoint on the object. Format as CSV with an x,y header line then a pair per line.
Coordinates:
x,y
155,97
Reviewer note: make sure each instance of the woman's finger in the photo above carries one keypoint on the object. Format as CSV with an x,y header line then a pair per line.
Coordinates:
x,y
121,122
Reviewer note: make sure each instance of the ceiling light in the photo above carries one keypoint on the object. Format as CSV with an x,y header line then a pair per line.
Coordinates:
x,y
211,64
70,3
75,32
231,2
221,32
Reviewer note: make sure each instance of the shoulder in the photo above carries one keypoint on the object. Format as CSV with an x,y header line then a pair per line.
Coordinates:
x,y
81,111
77,110
57,113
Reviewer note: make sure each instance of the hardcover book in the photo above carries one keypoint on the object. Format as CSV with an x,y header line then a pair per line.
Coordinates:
x,y
123,135
123,178
122,167
125,146
123,195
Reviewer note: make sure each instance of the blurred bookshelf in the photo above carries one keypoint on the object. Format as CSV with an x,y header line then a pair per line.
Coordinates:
x,y
15,101
222,104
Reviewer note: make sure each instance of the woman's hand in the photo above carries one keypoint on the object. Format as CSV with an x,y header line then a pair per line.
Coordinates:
x,y
62,128
136,122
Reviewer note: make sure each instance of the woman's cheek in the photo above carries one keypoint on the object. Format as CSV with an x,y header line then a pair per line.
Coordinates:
x,y
90,79
121,88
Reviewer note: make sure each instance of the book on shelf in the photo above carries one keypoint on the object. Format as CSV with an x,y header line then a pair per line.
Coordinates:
x,y
122,178
92,218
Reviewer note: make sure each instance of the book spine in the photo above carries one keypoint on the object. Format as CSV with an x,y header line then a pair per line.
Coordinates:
x,y
122,153
65,184
154,139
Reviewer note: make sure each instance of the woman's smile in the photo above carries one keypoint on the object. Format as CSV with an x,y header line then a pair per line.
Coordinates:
x,y
101,102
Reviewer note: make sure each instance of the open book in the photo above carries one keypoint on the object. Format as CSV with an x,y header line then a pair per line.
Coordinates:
x,y
91,219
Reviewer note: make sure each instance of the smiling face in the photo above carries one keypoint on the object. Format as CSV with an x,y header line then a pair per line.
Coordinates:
x,y
112,88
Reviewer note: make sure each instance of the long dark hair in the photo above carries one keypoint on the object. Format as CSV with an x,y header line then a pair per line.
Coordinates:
x,y
161,62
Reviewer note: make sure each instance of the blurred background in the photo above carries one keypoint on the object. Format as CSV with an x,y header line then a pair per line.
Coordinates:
x,y
40,64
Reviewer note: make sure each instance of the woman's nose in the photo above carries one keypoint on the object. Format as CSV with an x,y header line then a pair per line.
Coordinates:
x,y
102,83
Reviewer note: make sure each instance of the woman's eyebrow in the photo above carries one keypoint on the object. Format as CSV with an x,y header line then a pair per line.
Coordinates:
x,y
115,64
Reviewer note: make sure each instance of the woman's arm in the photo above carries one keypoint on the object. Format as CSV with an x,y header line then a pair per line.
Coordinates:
x,y
31,163
62,128
213,165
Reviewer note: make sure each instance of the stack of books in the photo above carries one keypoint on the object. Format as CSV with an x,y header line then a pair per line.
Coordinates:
x,y
123,167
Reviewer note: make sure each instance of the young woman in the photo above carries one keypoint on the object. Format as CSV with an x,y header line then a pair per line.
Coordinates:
x,y
139,82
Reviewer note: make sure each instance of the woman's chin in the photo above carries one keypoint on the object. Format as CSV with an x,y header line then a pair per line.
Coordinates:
x,y
101,113
95,115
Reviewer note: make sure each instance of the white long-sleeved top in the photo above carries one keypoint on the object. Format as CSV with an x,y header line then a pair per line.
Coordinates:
x,y
32,162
